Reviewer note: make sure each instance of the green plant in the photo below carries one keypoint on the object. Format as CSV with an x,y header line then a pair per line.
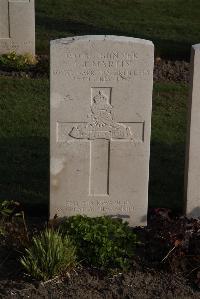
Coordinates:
x,y
7,211
49,255
13,224
17,62
7,208
102,241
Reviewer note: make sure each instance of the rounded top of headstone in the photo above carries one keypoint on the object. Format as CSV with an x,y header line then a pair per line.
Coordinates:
x,y
196,47
89,38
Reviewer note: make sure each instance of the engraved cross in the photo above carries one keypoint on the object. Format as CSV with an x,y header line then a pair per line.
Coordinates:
x,y
100,131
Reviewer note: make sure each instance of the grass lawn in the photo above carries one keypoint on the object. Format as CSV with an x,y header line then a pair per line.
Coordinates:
x,y
169,120
24,143
173,25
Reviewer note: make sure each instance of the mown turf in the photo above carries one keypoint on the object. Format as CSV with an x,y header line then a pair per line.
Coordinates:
x,y
173,25
24,143
169,122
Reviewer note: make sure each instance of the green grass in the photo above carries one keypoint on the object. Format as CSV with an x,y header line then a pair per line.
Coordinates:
x,y
24,143
173,25
168,145
49,255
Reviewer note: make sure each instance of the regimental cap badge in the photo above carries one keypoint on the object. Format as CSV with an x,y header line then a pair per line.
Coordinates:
x,y
100,98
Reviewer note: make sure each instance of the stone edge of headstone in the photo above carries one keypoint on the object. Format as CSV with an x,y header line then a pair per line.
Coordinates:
x,y
88,38
109,38
194,48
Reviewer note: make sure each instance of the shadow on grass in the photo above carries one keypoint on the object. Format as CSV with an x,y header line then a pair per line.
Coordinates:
x,y
167,49
167,176
24,173
51,24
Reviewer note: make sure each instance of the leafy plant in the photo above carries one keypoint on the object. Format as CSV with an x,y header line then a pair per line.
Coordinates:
x,y
13,224
50,255
7,211
102,241
12,61
7,208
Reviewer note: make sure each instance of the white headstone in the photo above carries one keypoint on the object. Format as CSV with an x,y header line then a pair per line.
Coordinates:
x,y
192,171
101,98
17,26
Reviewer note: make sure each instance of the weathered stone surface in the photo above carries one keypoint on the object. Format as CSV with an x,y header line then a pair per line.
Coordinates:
x,y
17,26
101,98
192,170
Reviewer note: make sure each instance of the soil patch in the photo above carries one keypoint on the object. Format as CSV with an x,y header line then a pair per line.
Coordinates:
x,y
166,265
88,284
175,71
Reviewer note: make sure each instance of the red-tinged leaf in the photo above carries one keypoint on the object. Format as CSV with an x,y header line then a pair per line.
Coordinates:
x,y
178,243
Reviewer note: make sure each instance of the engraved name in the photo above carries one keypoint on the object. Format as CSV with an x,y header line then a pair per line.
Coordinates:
x,y
101,67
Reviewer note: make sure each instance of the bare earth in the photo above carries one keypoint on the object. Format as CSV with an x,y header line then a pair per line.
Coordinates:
x,y
155,273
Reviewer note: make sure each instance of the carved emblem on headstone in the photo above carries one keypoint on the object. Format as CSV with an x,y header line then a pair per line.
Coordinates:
x,y
102,124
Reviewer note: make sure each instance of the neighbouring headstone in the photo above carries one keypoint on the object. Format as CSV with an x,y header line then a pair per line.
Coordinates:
x,y
101,98
17,26
192,169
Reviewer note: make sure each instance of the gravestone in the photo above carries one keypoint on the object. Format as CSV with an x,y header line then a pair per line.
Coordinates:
x,y
101,98
17,26
192,170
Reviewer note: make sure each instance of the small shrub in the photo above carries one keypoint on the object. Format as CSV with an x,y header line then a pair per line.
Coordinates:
x,y
49,255
12,61
102,241
9,210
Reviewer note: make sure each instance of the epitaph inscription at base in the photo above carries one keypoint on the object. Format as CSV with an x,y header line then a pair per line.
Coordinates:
x,y
101,90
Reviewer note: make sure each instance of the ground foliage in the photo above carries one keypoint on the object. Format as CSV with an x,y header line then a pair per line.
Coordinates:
x,y
13,224
101,241
12,61
166,264
50,254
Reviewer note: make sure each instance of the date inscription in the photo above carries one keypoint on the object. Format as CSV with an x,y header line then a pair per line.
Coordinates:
x,y
106,206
